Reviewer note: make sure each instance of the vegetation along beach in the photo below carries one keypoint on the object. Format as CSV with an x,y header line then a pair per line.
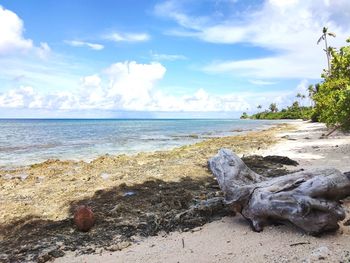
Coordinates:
x,y
174,131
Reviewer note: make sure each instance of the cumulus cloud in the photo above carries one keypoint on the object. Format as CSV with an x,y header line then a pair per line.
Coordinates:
x,y
11,32
288,28
128,37
23,97
77,43
12,40
129,86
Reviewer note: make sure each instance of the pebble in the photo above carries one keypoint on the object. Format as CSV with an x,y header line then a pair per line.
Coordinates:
x,y
56,253
119,246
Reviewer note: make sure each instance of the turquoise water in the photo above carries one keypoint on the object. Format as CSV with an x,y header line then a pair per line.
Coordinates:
x,y
24,142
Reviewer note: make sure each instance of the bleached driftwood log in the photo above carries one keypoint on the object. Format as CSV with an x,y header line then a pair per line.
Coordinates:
x,y
308,199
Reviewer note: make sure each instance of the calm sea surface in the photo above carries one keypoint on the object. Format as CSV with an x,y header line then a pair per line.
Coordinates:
x,y
24,142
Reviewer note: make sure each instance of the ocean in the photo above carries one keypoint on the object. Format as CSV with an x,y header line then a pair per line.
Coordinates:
x,y
28,141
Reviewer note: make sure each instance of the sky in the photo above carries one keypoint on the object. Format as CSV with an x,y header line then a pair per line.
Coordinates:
x,y
161,59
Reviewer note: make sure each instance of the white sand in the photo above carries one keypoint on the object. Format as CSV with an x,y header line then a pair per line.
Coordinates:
x,y
306,146
231,239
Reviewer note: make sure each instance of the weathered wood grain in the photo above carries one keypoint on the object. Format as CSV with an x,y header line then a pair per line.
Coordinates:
x,y
307,199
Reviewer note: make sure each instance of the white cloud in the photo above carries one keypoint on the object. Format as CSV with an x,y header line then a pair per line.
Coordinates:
x,y
128,37
126,86
288,28
19,98
131,84
11,33
44,50
170,57
260,82
12,40
77,43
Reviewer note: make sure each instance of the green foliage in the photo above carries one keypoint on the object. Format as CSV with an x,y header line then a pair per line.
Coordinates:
x,y
273,107
292,112
332,97
244,115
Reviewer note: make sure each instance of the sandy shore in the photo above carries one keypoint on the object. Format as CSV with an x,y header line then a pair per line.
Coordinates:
x,y
231,239
138,197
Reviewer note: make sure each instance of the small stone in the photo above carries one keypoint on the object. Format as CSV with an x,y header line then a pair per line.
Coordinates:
x,y
44,258
119,246
56,253
113,247
124,244
196,229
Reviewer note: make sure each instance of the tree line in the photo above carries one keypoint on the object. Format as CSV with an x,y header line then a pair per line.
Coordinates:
x,y
330,98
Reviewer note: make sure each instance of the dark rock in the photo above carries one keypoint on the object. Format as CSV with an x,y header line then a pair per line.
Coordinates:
x,y
44,258
56,253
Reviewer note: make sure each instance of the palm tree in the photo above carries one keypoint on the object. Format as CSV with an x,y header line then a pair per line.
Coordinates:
x,y
311,91
324,35
273,107
298,97
302,98
259,107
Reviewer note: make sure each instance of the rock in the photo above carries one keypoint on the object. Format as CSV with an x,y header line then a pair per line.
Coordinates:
x,y
44,258
84,218
56,253
119,246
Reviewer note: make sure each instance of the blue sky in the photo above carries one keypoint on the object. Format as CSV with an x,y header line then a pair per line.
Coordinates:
x,y
184,58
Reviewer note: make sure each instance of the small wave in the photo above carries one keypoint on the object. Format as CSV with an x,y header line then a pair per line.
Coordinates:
x,y
29,147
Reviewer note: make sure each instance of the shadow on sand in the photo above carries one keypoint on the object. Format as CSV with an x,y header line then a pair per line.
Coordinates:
x,y
125,212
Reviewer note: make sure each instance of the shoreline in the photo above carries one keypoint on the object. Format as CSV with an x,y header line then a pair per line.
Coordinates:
x,y
111,170
46,197
232,236
188,139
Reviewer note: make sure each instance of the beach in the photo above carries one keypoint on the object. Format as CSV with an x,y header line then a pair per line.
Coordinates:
x,y
131,192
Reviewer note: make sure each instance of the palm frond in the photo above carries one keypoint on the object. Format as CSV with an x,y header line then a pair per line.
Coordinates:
x,y
320,39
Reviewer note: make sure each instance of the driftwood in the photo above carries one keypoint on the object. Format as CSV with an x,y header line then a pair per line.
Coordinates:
x,y
307,199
